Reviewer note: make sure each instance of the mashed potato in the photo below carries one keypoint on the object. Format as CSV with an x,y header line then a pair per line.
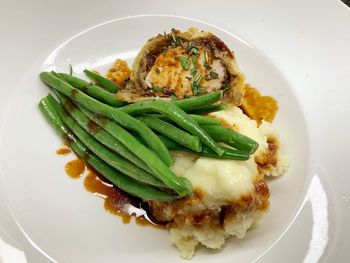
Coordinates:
x,y
229,195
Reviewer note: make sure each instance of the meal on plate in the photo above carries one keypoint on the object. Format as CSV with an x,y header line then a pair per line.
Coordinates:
x,y
182,132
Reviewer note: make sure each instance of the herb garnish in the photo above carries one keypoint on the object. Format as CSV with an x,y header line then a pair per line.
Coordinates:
x,y
198,77
70,69
197,89
206,63
174,38
185,62
211,75
193,72
195,85
195,62
157,89
175,41
195,66
157,71
225,87
194,50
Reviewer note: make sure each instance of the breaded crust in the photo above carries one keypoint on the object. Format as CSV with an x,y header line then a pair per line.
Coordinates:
x,y
136,89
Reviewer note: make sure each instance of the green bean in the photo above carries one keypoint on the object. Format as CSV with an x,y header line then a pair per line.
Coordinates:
x,y
205,120
171,131
201,120
185,104
101,151
125,183
198,101
154,163
98,133
93,90
232,138
57,75
107,84
117,115
180,118
229,153
210,108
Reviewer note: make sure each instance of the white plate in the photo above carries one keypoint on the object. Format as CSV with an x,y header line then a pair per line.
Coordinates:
x,y
68,225
59,203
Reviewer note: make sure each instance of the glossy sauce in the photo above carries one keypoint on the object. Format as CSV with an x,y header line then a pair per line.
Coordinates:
x,y
63,151
118,202
75,168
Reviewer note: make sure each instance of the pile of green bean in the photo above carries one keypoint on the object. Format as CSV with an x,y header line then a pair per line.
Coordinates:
x,y
129,143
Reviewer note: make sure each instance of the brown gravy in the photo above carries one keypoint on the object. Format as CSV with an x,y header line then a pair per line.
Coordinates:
x,y
116,201
63,151
75,168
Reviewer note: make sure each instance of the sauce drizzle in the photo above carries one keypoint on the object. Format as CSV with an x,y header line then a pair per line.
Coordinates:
x,y
75,168
63,151
116,201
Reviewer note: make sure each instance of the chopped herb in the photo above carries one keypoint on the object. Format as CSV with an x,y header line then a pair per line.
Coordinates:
x,y
157,71
194,50
175,41
213,75
193,72
189,78
196,88
198,77
206,63
70,69
195,62
225,87
157,89
185,62
205,56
